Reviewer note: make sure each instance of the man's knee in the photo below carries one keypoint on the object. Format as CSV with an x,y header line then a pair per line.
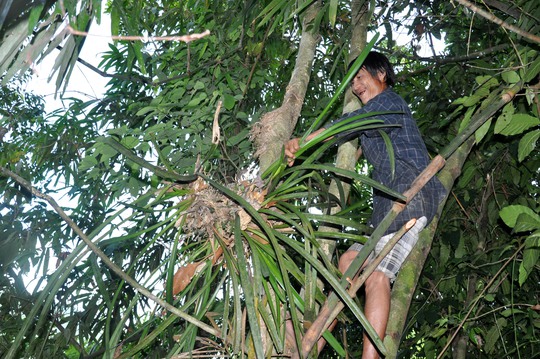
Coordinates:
x,y
377,281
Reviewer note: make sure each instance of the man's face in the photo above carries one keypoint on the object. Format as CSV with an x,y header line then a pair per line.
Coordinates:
x,y
366,86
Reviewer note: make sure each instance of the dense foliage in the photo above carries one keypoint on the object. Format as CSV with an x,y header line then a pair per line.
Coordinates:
x,y
237,253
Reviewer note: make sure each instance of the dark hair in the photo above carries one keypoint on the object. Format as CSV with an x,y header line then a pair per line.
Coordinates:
x,y
376,62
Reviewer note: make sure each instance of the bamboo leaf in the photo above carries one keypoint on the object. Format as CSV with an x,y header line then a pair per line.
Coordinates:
x,y
350,74
482,131
332,12
355,176
390,151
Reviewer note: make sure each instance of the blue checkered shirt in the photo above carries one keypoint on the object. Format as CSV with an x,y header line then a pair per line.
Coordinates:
x,y
411,157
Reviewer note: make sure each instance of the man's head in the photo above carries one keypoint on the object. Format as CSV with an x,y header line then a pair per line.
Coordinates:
x,y
375,75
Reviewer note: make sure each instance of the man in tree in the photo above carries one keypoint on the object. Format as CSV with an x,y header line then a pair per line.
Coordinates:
x,y
373,86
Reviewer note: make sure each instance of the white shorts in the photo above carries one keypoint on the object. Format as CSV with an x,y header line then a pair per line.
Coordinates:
x,y
391,264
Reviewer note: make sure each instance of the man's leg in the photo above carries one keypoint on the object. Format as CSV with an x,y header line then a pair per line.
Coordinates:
x,y
377,309
377,286
377,306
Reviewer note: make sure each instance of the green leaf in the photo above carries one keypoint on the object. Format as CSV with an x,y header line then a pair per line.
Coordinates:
x,y
143,111
247,287
130,141
33,18
510,214
482,131
228,101
531,253
199,85
466,119
87,162
527,144
525,222
390,151
511,77
508,312
491,338
461,249
469,101
444,253
332,12
486,82
532,71
519,123
234,140
504,118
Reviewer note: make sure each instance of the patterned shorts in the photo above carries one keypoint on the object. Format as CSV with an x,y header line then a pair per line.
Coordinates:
x,y
391,264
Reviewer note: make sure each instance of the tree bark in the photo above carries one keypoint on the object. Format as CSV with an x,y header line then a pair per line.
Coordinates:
x,y
277,126
405,284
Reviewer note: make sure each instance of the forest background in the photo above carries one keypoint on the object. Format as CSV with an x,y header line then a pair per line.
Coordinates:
x,y
181,231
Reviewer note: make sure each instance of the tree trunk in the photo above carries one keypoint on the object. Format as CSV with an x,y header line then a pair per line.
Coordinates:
x,y
277,126
405,284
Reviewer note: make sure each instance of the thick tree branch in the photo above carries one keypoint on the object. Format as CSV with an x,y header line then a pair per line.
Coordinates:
x,y
500,22
277,126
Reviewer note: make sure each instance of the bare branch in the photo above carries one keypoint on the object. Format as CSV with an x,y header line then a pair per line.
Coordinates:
x,y
450,60
498,21
183,38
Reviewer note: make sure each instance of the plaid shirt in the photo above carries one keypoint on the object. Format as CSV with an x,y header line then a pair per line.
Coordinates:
x,y
410,154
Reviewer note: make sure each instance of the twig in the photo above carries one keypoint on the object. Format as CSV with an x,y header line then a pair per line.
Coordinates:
x,y
498,21
215,126
183,38
450,60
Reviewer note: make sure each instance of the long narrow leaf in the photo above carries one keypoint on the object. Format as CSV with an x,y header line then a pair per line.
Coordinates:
x,y
390,151
336,286
248,290
357,177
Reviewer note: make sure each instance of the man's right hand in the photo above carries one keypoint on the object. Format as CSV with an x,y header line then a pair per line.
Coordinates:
x,y
291,147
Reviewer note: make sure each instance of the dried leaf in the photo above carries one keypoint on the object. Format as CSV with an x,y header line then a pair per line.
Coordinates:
x,y
118,351
183,276
255,195
199,185
245,219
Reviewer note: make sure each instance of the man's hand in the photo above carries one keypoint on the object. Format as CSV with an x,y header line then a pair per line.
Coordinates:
x,y
291,147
